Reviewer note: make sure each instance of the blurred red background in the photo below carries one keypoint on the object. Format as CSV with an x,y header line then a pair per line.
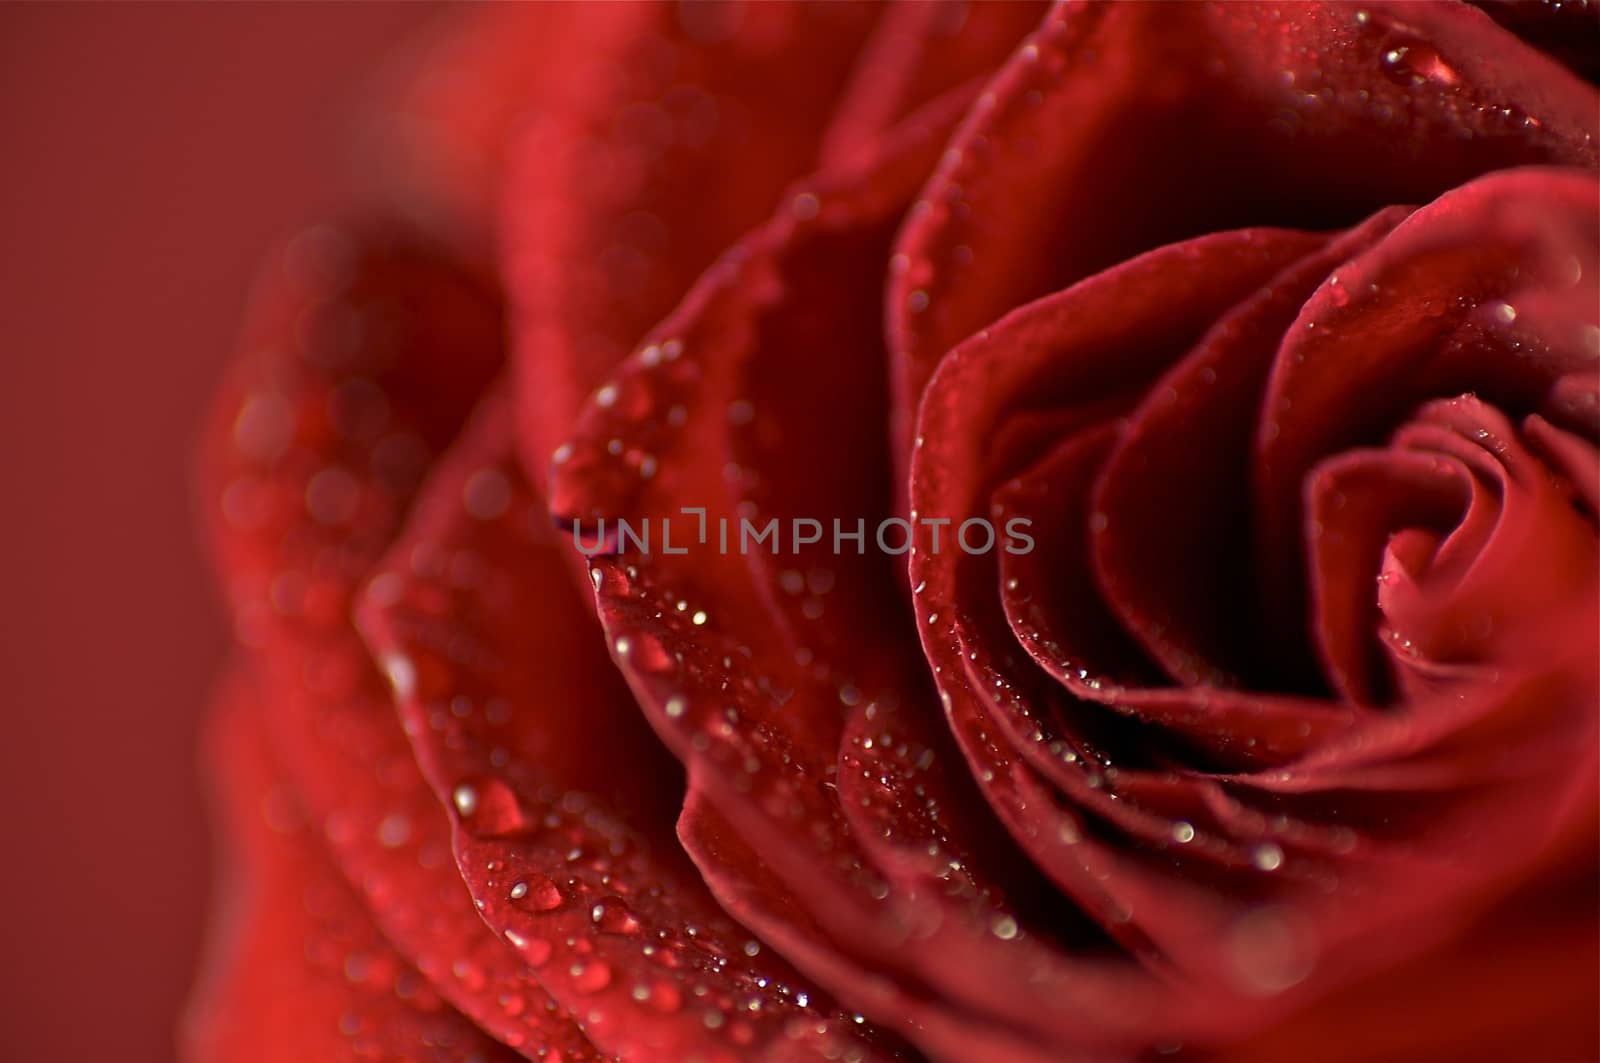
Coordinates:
x,y
151,154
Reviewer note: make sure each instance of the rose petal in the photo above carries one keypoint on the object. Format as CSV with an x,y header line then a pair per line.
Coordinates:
x,y
449,108
919,51
1565,32
1119,128
1055,611
360,362
1509,990
1097,805
1570,456
678,136
1171,500
560,797
1056,355
1422,314
758,699
297,970
761,900
1354,500
1473,596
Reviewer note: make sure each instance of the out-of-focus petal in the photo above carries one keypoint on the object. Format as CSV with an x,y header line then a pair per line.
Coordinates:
x,y
561,800
678,134
297,970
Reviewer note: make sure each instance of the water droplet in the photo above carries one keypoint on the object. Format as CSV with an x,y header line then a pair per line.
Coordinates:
x,y
1337,291
486,494
1413,62
644,651
665,998
536,893
676,706
264,427
1003,927
402,674
1182,832
469,974
394,830
333,495
535,950
611,915
1267,953
496,811
591,977
1267,856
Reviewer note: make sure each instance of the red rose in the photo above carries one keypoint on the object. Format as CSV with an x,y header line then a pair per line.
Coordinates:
x,y
1274,333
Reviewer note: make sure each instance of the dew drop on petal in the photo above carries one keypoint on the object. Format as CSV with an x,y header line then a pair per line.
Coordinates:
x,y
496,812
536,893
591,977
1413,62
486,494
534,950
644,651
264,427
1267,954
402,674
394,830
332,496
665,998
611,915
1267,856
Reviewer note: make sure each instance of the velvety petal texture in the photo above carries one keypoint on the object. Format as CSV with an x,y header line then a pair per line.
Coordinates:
x,y
928,531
